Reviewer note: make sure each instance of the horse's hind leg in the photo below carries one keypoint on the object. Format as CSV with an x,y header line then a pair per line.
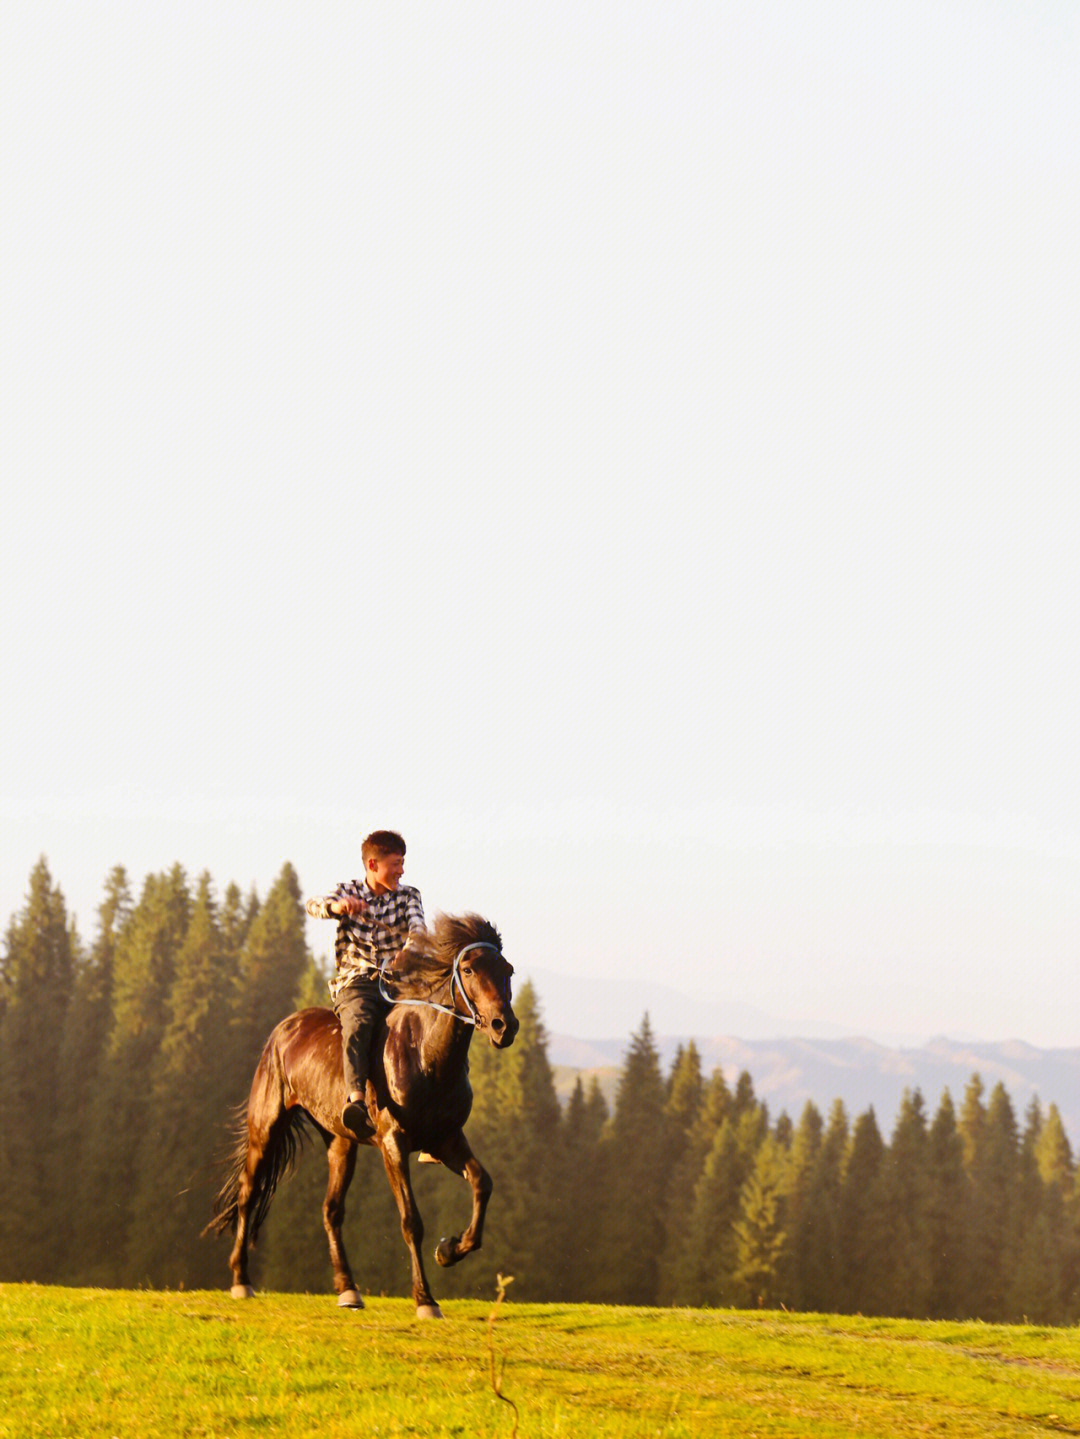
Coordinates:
x,y
456,1154
248,1188
341,1157
268,1124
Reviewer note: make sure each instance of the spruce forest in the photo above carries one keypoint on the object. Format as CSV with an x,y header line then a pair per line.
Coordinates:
x,y
122,1064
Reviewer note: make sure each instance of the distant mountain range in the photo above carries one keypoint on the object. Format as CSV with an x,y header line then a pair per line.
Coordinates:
x,y
788,1072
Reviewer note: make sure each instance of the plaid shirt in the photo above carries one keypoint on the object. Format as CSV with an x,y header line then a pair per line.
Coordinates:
x,y
365,940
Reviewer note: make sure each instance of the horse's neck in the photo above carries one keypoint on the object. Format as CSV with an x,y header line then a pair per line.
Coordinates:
x,y
443,1039
447,1041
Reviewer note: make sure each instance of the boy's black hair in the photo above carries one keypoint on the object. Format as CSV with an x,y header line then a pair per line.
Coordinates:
x,y
381,842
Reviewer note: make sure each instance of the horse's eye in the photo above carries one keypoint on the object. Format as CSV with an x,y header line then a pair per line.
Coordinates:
x,y
466,970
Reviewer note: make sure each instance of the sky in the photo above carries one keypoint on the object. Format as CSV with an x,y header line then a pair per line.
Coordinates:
x,y
630,449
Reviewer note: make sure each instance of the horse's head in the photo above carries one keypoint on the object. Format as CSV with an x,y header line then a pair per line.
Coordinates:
x,y
484,975
463,955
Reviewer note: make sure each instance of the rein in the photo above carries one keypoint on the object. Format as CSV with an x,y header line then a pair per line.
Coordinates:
x,y
472,1017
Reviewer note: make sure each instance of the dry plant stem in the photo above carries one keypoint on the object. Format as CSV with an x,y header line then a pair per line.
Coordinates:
x,y
496,1383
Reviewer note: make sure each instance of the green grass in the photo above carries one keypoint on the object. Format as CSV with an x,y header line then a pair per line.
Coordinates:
x,y
104,1363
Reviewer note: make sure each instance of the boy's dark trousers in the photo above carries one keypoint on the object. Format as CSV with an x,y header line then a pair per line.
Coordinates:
x,y
358,1006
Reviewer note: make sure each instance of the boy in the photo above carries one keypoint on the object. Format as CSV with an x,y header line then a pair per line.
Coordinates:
x,y
373,915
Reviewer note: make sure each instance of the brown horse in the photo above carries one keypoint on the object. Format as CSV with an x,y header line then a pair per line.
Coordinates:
x,y
418,1098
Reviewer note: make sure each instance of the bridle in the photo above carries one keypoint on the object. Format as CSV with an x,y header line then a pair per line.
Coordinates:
x,y
472,1016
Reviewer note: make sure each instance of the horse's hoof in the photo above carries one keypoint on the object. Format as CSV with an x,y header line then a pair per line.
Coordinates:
x,y
444,1252
350,1299
242,1291
428,1311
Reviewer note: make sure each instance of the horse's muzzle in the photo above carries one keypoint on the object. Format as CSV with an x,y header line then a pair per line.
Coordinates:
x,y
502,1030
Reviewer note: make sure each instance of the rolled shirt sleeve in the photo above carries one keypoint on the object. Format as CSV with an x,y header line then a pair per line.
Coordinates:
x,y
414,910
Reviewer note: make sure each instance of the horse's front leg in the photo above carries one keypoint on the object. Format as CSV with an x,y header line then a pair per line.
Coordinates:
x,y
456,1155
396,1162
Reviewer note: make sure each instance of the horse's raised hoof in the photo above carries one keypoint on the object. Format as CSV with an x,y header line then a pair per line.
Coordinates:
x,y
242,1291
446,1252
428,1311
350,1299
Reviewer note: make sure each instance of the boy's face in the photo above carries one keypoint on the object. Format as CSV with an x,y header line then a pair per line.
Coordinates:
x,y
384,872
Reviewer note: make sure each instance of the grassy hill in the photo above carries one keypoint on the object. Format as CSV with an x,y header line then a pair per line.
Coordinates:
x,y
102,1364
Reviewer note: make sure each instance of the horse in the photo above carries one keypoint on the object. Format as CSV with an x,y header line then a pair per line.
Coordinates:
x,y
451,981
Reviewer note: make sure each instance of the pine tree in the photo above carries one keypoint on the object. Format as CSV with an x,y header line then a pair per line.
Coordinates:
x,y
801,1167
85,1034
1046,1259
538,1154
1034,1293
684,1263
272,959
948,1206
39,965
903,1195
972,1121
144,966
177,1177
581,1176
312,992
784,1131
532,1150
235,921
635,1223
1053,1153
684,1091
995,1220
1029,1185
816,1235
706,1274
760,1234
1071,1255
744,1100
859,1233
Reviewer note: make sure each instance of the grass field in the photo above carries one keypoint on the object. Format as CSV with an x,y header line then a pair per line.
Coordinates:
x,y
97,1364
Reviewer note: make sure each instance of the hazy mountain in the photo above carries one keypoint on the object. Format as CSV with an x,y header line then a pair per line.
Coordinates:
x,y
596,1005
788,1072
593,1004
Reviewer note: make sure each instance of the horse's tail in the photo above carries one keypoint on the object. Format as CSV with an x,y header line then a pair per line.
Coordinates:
x,y
268,1138
225,1201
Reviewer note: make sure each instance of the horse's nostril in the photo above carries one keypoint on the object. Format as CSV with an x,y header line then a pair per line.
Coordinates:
x,y
498,1025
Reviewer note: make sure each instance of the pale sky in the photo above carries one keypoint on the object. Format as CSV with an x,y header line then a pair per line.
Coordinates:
x,y
632,449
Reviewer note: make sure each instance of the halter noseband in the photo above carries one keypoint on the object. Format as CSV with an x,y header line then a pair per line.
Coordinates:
x,y
473,1016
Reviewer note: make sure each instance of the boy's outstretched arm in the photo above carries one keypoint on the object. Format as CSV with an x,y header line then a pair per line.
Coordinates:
x,y
332,906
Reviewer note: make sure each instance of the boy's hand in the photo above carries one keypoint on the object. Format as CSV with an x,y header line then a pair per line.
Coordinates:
x,y
349,905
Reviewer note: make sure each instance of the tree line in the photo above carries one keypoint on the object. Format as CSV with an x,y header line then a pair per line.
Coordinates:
x,y
122,1065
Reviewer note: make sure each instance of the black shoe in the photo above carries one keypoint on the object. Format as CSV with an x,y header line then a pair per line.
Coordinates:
x,y
355,1116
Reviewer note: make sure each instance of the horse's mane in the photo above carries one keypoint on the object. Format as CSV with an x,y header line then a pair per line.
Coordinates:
x,y
428,955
